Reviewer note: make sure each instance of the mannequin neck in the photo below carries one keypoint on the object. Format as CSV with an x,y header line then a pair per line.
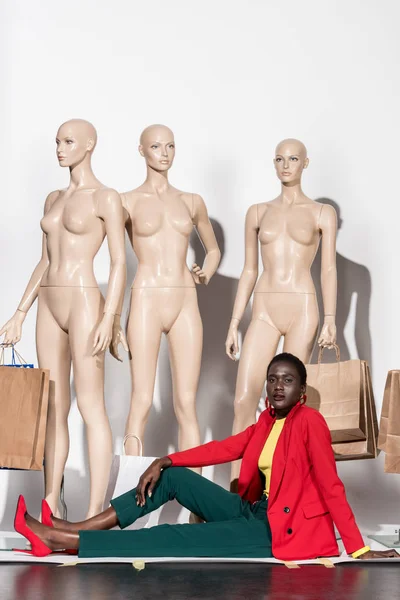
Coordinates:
x,y
291,193
156,180
82,176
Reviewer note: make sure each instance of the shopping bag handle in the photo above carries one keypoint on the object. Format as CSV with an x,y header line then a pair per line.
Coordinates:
x,y
15,354
132,435
333,347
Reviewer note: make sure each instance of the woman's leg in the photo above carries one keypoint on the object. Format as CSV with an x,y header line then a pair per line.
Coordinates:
x,y
198,494
238,538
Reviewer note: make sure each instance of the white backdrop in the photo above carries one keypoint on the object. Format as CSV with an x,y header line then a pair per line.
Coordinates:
x,y
231,78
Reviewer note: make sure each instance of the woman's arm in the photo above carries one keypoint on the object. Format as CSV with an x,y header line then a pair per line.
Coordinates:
x,y
208,239
13,328
247,281
109,209
328,227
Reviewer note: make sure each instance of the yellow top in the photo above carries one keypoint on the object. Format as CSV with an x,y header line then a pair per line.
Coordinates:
x,y
267,453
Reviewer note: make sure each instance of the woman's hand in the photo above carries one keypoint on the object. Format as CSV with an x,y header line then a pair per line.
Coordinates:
x,y
149,479
328,333
199,275
103,334
232,344
379,554
12,330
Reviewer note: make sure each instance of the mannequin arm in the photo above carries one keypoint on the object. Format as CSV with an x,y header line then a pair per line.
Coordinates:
x,y
13,328
328,226
247,281
208,239
111,212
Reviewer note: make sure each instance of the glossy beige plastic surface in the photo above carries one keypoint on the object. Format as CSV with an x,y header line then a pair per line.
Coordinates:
x,y
288,230
74,323
163,296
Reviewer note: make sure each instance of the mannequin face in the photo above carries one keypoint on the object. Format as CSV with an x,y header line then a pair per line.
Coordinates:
x,y
73,143
290,160
157,146
284,388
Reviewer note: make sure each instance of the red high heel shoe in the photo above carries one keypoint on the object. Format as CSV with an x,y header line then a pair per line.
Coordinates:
x,y
46,514
46,520
39,548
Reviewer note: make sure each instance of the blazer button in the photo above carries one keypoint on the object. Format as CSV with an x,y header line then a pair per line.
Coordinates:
x,y
290,531
286,509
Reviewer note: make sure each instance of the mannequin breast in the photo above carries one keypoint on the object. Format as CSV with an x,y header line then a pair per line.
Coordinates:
x,y
159,229
74,235
289,237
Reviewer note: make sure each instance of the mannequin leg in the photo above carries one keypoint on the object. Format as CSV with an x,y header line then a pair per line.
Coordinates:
x,y
53,352
144,337
300,337
259,347
89,385
185,341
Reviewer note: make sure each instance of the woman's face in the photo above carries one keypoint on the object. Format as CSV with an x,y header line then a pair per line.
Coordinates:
x,y
284,389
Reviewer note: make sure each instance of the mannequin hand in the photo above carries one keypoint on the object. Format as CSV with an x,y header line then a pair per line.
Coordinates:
x,y
118,337
198,275
232,344
150,478
328,334
379,554
12,330
103,334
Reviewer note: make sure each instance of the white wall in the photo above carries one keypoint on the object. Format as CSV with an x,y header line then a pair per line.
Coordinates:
x,y
231,79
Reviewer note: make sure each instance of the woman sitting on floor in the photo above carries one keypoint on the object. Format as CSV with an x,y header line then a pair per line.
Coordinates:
x,y
286,507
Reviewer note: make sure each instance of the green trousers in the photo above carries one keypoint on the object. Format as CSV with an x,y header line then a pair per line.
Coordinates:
x,y
234,528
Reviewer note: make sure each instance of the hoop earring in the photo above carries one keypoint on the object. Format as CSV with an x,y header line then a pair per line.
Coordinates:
x,y
303,399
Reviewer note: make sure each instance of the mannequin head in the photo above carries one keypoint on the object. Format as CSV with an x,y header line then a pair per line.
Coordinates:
x,y
157,146
75,140
290,160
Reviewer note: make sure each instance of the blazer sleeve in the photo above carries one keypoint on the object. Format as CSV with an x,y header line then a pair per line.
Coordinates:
x,y
318,439
214,453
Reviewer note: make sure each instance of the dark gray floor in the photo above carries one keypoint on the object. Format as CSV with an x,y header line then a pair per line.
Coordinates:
x,y
361,581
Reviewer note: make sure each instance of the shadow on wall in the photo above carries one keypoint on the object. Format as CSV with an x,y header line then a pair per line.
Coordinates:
x,y
353,280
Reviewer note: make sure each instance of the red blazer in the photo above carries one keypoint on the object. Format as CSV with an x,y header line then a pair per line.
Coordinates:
x,y
306,495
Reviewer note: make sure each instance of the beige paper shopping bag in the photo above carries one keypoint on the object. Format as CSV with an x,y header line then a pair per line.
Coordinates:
x,y
24,395
335,390
389,435
367,448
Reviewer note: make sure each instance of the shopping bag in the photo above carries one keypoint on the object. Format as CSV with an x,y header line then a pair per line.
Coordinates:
x,y
389,435
24,397
124,476
367,448
335,390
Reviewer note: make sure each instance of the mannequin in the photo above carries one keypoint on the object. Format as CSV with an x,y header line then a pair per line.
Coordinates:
x,y
289,230
74,324
163,295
